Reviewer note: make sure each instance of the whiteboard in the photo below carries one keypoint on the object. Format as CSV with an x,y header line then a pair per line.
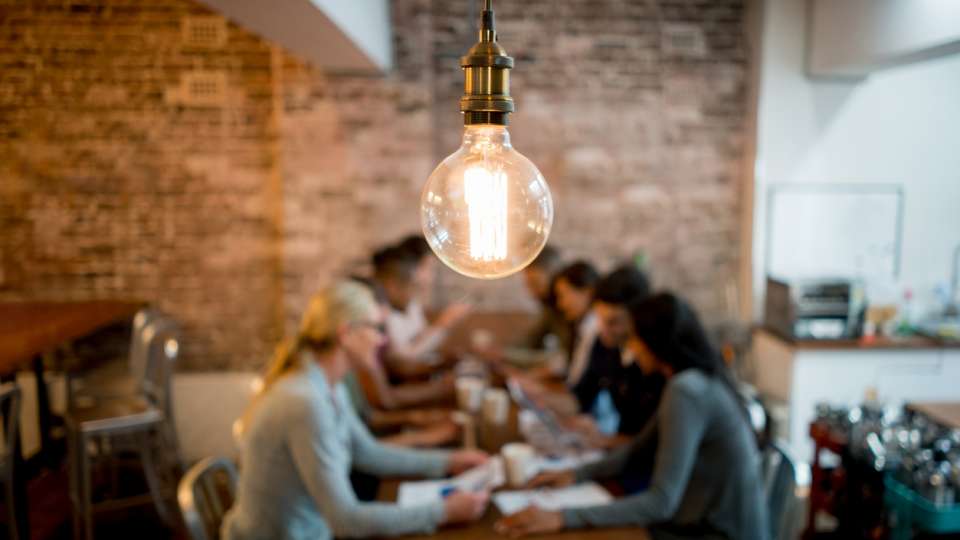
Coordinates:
x,y
835,230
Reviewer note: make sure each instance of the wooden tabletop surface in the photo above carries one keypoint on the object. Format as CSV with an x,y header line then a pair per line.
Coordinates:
x,y
945,413
484,527
28,329
491,438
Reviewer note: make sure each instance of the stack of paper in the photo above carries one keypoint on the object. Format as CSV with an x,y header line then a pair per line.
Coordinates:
x,y
577,496
488,476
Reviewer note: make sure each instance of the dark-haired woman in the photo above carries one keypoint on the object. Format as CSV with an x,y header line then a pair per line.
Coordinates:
x,y
573,290
706,480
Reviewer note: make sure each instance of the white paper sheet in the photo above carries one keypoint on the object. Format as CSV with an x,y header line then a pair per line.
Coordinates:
x,y
487,476
569,461
577,496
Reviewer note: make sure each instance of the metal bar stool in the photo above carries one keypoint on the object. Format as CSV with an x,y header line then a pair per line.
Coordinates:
x,y
138,423
10,407
205,494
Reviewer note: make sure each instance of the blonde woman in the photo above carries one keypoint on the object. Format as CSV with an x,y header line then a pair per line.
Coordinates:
x,y
301,438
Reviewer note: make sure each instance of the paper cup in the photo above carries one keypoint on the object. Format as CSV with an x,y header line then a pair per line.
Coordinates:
x,y
517,458
496,406
469,393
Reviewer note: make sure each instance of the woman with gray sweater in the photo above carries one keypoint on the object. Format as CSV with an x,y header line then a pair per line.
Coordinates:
x,y
301,438
706,472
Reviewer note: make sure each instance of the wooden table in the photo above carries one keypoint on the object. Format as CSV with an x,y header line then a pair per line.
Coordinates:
x,y
491,438
484,527
945,413
28,330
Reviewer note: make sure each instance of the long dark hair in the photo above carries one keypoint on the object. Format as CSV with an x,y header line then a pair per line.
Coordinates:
x,y
579,274
670,328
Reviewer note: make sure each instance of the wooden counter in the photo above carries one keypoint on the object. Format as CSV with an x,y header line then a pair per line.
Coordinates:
x,y
799,374
875,343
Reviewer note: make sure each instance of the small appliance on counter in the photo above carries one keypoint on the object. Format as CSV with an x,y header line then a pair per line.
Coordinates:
x,y
814,308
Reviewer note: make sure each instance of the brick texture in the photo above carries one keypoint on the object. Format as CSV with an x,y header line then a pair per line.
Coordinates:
x,y
228,214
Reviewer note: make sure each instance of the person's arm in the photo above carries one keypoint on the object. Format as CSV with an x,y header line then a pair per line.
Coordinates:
x,y
373,457
383,395
314,447
423,393
429,339
588,387
616,460
682,422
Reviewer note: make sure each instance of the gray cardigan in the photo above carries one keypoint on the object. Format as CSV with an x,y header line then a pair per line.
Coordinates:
x,y
298,451
706,466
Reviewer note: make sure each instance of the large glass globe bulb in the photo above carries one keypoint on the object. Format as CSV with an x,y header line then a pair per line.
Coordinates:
x,y
486,210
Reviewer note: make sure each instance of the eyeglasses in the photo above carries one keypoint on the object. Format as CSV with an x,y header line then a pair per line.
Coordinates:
x,y
379,327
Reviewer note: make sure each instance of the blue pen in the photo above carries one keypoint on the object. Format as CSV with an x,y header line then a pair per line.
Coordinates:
x,y
446,491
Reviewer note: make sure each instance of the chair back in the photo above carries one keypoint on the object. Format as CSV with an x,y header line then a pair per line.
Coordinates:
x,y
10,408
780,485
162,348
137,357
205,494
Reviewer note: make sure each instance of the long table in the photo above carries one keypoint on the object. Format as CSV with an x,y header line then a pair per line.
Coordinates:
x,y
491,439
483,528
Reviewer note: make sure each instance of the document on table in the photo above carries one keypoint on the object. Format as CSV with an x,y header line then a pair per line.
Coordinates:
x,y
577,496
488,476
569,461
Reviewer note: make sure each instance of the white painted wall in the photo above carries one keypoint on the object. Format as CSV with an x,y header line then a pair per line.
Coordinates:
x,y
205,408
367,22
855,37
338,36
899,126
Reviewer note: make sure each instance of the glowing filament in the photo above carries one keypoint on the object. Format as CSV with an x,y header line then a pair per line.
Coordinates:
x,y
485,193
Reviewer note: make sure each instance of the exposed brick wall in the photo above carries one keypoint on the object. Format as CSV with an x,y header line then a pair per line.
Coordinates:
x,y
229,216
111,189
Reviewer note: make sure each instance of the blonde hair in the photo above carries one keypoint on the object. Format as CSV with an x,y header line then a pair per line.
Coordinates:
x,y
345,302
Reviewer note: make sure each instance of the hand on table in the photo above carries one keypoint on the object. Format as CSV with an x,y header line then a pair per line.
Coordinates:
x,y
529,521
464,506
551,479
584,424
463,460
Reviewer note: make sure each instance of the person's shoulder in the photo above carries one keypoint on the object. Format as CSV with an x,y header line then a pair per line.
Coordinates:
x,y
293,396
691,383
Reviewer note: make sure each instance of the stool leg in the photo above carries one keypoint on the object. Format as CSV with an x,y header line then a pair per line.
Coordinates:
x,y
10,494
73,463
153,480
86,489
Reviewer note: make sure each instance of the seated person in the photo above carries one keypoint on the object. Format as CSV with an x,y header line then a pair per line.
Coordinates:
x,y
573,288
302,436
611,384
538,277
373,392
425,273
706,481
610,369
413,343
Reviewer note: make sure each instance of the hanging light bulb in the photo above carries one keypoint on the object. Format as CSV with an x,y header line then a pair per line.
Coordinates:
x,y
486,210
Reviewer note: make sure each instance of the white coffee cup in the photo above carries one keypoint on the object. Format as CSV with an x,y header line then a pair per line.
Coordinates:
x,y
517,458
481,339
496,406
469,393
